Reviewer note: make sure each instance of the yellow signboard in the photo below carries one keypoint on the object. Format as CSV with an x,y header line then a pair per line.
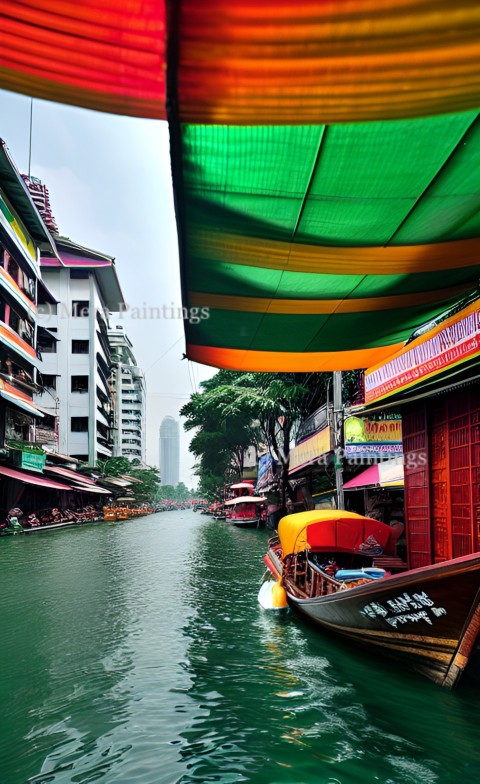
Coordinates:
x,y
308,451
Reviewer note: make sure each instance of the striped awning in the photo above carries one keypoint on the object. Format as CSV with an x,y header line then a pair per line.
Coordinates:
x,y
324,155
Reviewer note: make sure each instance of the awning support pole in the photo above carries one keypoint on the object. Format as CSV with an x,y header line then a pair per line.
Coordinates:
x,y
338,436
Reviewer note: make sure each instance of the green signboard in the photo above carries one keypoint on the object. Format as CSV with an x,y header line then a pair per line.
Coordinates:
x,y
31,461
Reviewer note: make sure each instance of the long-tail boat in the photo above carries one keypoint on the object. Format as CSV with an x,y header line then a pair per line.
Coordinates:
x,y
325,564
245,511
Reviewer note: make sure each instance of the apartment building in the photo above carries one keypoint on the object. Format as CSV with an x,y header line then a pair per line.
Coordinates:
x,y
128,383
23,235
76,360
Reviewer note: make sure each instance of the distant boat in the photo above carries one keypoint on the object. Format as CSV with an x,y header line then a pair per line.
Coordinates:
x,y
245,511
326,562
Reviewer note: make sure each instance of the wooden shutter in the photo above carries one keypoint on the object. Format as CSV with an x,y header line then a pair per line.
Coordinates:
x,y
417,500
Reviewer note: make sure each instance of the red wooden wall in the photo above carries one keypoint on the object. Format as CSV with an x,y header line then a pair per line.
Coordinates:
x,y
417,497
442,488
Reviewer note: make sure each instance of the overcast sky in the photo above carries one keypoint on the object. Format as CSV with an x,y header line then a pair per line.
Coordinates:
x,y
110,189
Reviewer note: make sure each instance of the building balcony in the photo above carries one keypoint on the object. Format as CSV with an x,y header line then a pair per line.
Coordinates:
x,y
14,342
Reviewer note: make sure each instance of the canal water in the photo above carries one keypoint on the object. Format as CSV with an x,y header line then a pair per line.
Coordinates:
x,y
136,652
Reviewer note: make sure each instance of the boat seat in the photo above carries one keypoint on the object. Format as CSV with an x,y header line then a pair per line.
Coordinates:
x,y
390,563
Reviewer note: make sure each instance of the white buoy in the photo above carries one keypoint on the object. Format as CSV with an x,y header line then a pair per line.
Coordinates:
x,y
272,596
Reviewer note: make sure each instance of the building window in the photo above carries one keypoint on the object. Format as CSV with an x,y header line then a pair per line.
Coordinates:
x,y
46,344
78,274
80,346
79,383
49,381
80,308
79,424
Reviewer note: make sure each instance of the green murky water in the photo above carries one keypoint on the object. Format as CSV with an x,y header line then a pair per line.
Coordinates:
x,y
137,653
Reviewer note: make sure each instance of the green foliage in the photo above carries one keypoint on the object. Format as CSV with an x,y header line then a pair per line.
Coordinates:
x,y
114,466
235,409
24,447
179,493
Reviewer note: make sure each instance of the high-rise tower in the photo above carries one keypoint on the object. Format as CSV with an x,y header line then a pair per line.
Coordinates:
x,y
169,451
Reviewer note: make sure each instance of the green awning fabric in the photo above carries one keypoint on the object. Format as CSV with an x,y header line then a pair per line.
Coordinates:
x,y
325,245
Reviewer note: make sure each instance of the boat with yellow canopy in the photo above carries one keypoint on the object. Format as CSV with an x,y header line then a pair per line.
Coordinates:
x,y
326,566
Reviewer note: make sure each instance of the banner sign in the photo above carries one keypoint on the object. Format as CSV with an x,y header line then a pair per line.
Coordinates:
x,y
309,450
266,471
371,437
449,344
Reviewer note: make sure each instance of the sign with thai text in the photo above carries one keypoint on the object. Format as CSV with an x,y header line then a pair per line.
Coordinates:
x,y
452,342
32,461
371,437
405,609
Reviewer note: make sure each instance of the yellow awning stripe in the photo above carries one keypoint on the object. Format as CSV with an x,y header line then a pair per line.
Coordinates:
x,y
327,260
317,306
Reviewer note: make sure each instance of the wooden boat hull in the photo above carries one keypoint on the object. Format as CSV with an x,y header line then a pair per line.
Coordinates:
x,y
428,618
241,522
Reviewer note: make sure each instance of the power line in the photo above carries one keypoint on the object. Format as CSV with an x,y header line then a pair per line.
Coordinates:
x,y
164,354
30,139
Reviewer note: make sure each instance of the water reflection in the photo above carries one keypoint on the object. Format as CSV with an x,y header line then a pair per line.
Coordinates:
x,y
64,656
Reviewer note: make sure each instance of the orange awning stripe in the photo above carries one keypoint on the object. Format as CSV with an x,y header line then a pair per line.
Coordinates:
x,y
247,61
274,361
284,62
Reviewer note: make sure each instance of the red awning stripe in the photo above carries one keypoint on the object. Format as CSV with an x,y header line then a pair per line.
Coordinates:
x,y
22,476
107,55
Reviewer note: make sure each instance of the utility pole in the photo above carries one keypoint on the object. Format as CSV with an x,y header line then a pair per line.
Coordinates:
x,y
338,436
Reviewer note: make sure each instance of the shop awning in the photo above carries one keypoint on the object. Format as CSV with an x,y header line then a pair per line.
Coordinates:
x,y
238,62
62,458
115,481
81,488
387,474
79,481
22,476
73,476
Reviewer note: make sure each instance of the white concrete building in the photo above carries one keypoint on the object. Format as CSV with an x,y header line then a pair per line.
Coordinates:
x,y
128,382
76,358
169,451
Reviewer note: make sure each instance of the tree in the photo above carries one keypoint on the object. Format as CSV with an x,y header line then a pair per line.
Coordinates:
x,y
256,408
220,441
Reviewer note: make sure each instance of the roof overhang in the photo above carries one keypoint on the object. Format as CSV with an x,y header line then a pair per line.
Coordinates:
x,y
76,256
